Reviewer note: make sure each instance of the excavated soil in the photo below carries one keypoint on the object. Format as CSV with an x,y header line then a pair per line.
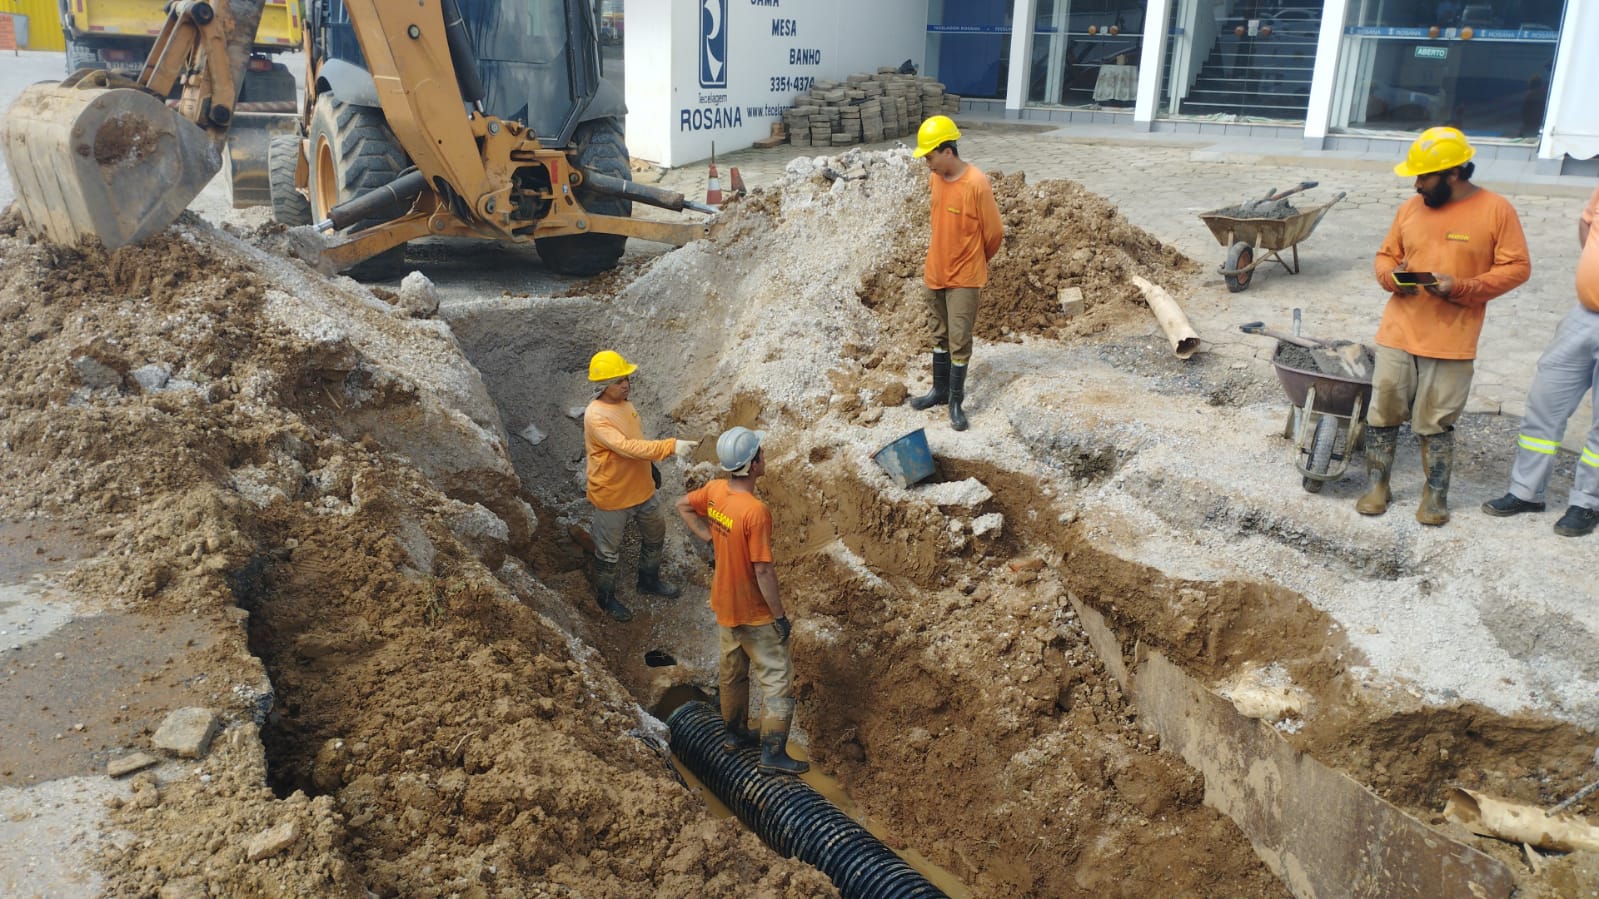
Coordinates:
x,y
427,732
429,701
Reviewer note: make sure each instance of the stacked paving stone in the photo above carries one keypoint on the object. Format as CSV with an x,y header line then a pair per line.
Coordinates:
x,y
865,109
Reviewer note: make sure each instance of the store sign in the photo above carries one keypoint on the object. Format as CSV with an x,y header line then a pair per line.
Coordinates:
x,y
1432,52
713,44
754,56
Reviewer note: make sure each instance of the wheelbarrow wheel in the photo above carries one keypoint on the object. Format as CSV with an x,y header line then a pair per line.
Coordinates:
x,y
1321,452
1240,256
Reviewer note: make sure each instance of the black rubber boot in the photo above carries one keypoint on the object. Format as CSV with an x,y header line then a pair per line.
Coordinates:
x,y
1379,465
605,591
735,701
1511,504
774,755
649,572
1437,461
939,395
957,395
774,740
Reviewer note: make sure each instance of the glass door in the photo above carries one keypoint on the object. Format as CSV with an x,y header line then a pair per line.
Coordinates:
x,y
1085,53
1482,67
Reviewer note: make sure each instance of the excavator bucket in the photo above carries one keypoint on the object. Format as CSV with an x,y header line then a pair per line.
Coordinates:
x,y
113,163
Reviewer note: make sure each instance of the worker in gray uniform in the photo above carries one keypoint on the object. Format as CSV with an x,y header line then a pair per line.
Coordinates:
x,y
1567,370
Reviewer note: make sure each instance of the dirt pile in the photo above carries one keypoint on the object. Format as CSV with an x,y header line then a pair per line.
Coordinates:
x,y
243,435
942,676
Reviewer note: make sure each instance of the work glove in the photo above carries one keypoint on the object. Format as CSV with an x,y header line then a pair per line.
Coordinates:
x,y
783,628
685,450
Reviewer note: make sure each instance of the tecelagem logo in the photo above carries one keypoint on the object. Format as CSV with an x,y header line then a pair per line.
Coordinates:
x,y
713,43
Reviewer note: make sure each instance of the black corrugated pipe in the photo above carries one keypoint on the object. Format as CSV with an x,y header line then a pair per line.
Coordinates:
x,y
790,816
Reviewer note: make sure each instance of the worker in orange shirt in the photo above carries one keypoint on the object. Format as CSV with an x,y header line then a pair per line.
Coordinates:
x,y
752,626
1567,370
621,482
967,232
1459,246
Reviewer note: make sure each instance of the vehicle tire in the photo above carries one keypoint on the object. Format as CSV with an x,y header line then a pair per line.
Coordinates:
x,y
1321,451
353,152
1240,255
598,146
289,206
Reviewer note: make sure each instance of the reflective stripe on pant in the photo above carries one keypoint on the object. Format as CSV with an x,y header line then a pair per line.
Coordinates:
x,y
1567,370
1430,393
756,646
952,312
608,525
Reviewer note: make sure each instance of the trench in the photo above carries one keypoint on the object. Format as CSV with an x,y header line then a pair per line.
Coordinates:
x,y
1011,704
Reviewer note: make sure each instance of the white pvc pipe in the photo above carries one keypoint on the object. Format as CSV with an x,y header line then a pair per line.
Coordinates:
x,y
1184,340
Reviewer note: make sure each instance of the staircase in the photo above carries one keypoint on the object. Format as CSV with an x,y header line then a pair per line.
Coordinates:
x,y
1266,76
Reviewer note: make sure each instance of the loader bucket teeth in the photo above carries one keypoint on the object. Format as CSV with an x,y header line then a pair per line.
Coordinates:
x,y
112,163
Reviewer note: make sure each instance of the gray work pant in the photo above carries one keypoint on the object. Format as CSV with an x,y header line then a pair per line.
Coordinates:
x,y
1568,368
610,523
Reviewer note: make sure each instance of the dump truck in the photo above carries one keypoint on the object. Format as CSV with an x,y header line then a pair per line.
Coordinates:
x,y
440,118
116,35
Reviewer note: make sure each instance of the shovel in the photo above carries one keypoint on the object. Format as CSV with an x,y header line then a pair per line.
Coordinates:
x,y
1350,357
1274,198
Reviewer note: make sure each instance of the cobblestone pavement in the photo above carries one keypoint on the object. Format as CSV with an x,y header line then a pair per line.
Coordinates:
x,y
1162,182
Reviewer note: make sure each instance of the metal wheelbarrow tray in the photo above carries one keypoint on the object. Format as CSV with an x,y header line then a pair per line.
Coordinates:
x,y
1327,419
1244,238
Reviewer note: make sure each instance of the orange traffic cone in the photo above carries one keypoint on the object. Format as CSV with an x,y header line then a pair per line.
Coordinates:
x,y
735,182
713,188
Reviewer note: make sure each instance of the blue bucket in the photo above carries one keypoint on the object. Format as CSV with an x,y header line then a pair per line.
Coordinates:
x,y
907,460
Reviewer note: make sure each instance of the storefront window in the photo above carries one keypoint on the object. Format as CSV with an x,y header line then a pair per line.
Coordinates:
x,y
968,46
1481,67
1085,52
1241,58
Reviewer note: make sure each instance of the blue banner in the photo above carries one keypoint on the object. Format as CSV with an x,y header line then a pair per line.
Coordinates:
x,y
1527,35
968,29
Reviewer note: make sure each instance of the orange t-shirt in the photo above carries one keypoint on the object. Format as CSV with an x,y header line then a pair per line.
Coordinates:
x,y
1588,262
966,231
1478,242
741,534
619,456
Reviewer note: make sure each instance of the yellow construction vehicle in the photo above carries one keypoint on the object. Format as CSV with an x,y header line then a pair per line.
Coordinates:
x,y
466,119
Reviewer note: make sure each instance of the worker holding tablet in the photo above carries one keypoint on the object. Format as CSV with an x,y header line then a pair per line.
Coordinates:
x,y
1452,248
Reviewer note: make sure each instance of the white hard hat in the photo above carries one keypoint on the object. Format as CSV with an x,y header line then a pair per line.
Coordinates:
x,y
737,447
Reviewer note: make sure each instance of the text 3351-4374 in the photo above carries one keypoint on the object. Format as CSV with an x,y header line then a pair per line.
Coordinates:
x,y
782,84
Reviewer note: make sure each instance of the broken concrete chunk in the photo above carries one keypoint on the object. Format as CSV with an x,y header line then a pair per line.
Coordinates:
x,y
96,375
151,377
272,841
1071,301
531,434
418,296
186,733
576,412
968,494
184,888
984,524
130,763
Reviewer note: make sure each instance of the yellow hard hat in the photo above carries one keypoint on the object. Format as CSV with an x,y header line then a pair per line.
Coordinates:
x,y
936,130
608,364
1436,150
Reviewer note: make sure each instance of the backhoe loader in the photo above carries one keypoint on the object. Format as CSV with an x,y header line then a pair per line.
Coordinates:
x,y
441,118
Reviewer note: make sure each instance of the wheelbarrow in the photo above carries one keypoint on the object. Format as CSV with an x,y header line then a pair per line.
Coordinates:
x,y
1327,418
1253,240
